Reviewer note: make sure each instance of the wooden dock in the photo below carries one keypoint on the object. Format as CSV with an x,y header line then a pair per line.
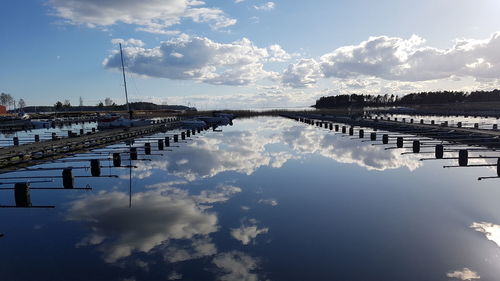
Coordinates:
x,y
14,157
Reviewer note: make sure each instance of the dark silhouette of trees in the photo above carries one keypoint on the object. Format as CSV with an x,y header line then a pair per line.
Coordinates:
x,y
439,97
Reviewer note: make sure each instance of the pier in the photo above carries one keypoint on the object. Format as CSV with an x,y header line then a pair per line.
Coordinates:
x,y
17,156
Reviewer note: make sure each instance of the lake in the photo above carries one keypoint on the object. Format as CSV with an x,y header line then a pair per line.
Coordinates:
x,y
266,199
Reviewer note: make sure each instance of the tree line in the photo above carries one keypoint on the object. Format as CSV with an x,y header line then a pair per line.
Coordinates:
x,y
437,97
8,100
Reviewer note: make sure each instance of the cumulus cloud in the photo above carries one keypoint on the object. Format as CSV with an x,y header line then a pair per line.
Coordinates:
x,y
491,231
399,59
201,59
236,266
268,6
245,234
130,41
149,15
464,274
302,74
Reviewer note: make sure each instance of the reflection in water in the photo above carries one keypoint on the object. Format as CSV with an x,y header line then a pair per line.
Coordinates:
x,y
344,150
236,266
491,231
245,234
157,216
464,274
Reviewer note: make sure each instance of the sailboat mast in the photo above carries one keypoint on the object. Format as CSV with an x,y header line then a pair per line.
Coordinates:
x,y
125,82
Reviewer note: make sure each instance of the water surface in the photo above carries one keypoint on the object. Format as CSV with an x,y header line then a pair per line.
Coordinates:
x,y
265,199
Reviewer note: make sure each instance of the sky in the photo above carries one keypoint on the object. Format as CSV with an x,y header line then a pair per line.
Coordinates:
x,y
245,54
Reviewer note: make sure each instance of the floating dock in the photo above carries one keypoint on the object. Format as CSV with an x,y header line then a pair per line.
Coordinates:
x,y
17,156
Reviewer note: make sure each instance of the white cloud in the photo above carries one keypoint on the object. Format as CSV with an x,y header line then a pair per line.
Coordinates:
x,y
245,234
236,266
130,41
302,74
464,274
398,59
148,15
238,1
265,7
201,59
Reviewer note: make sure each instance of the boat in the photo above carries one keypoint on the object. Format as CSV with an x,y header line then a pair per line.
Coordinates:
x,y
193,124
112,120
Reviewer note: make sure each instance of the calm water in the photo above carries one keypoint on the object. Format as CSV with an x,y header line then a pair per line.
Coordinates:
x,y
265,199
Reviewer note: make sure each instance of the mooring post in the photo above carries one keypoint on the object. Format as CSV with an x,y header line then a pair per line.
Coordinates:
x,y
439,151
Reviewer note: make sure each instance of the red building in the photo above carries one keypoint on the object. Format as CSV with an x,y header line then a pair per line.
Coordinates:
x,y
3,109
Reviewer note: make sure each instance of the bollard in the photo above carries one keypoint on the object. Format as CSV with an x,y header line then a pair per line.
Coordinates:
x,y
343,129
331,126
416,146
421,121
476,125
439,151
188,133
351,131
361,133
95,168
432,122
411,121
22,194
385,138
167,141
183,135
67,178
399,142
37,138
16,141
459,125
495,127
93,130
336,127
160,144
54,136
133,153
147,148
82,132
176,138
373,136
117,159
463,157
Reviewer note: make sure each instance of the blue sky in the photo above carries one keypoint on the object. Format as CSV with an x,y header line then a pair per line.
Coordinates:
x,y
245,54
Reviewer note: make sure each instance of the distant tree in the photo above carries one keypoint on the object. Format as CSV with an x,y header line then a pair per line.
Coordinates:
x,y
6,99
100,104
21,103
58,105
67,103
108,102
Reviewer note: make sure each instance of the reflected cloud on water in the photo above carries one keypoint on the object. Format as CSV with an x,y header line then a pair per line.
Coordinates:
x,y
157,216
464,274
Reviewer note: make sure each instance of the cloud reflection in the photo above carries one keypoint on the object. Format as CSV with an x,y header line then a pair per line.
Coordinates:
x,y
491,231
236,266
157,216
464,274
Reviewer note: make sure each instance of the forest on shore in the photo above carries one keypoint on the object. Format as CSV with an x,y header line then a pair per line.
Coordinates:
x,y
438,97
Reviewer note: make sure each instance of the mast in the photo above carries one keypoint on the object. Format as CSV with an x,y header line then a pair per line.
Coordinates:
x,y
125,83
